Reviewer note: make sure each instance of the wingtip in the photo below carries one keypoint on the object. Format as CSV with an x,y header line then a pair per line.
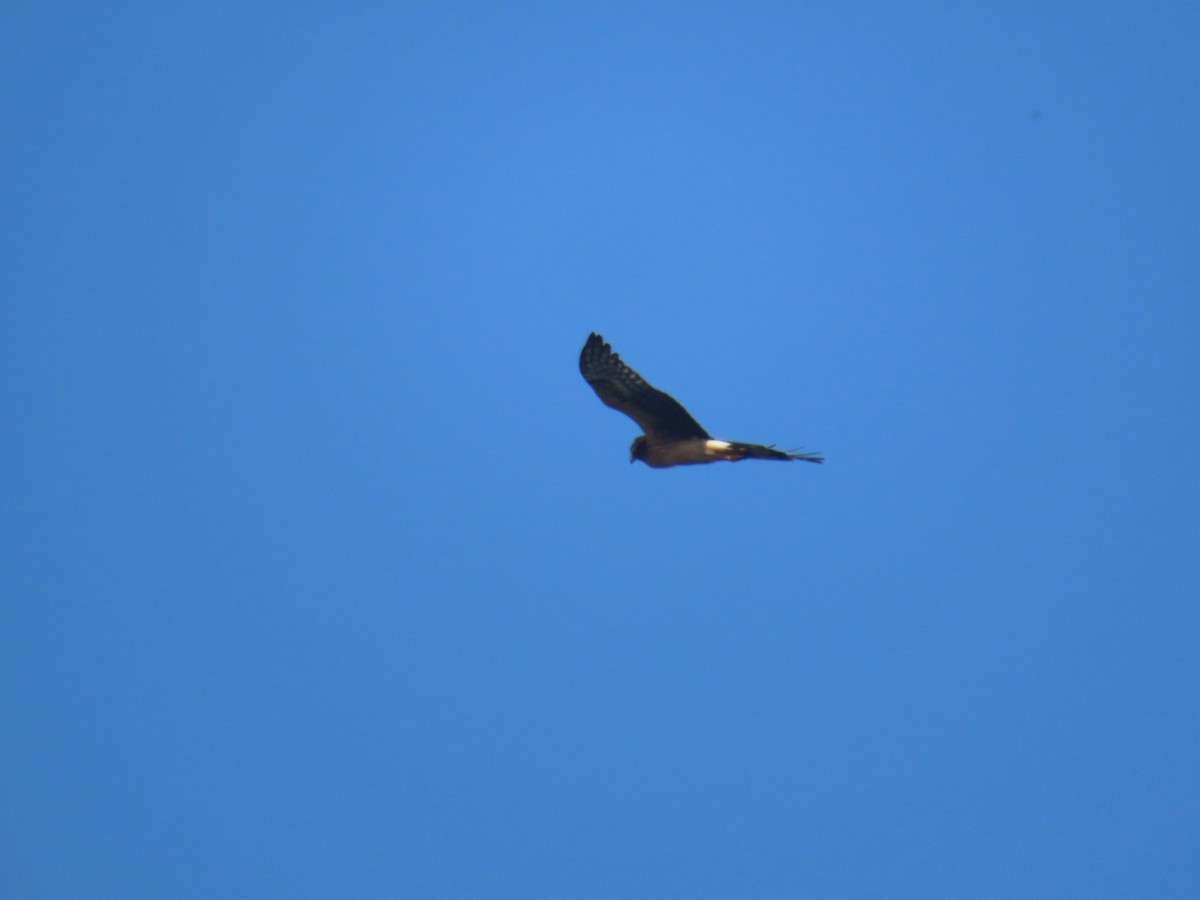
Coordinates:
x,y
593,354
596,344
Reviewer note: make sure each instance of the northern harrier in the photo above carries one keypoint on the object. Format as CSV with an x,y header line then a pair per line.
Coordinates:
x,y
673,437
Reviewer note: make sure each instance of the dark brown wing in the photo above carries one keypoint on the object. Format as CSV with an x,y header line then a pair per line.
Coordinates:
x,y
659,414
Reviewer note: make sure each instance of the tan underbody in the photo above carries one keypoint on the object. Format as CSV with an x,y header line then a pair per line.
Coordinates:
x,y
689,452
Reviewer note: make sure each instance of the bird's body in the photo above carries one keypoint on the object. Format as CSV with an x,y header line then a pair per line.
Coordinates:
x,y
672,437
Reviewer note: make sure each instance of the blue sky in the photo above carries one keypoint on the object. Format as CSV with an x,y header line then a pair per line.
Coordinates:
x,y
326,575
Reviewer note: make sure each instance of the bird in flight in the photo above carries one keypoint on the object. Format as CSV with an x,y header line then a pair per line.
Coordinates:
x,y
672,437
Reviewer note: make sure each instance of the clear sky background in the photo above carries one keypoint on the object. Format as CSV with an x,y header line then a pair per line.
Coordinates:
x,y
326,575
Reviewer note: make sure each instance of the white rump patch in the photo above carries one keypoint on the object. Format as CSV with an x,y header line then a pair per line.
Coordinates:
x,y
713,447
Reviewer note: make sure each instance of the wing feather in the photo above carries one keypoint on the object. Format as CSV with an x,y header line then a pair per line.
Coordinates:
x,y
661,416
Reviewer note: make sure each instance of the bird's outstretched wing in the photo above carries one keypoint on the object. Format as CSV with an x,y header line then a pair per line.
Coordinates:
x,y
660,415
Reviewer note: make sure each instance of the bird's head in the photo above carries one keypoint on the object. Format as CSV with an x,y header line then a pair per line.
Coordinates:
x,y
637,450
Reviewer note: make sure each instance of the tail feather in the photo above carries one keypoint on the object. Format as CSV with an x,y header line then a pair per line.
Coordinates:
x,y
760,451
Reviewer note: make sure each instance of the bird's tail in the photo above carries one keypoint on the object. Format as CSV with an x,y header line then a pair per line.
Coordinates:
x,y
759,451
